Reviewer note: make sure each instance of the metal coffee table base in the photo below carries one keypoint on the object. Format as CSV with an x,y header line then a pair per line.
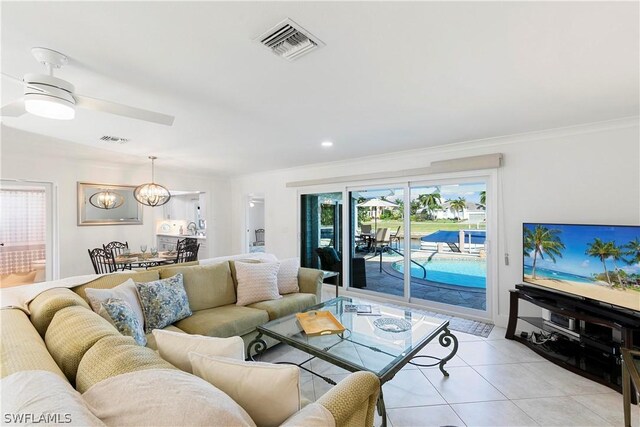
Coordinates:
x,y
446,339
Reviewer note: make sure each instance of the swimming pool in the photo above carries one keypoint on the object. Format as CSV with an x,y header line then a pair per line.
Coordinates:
x,y
470,273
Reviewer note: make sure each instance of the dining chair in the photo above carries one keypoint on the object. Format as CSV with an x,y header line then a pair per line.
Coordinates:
x,y
259,237
116,249
187,252
103,261
181,244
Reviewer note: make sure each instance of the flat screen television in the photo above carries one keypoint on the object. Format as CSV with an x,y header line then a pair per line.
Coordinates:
x,y
597,262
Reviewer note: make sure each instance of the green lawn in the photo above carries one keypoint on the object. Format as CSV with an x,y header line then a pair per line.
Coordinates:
x,y
422,228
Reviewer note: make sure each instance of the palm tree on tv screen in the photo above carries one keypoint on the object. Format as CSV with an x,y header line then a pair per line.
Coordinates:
x,y
542,241
632,249
601,250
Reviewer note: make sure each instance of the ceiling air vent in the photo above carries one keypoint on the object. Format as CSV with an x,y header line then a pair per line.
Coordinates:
x,y
289,40
114,139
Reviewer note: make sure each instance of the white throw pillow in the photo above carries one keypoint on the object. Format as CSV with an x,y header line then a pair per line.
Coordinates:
x,y
288,276
174,347
163,397
125,291
270,393
256,282
43,398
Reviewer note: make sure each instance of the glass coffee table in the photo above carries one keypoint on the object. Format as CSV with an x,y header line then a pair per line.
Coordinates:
x,y
381,344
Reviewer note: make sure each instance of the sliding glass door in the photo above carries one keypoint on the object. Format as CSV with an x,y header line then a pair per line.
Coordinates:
x,y
423,242
376,220
448,231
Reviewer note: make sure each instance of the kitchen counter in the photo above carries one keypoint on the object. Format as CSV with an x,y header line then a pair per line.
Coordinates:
x,y
182,236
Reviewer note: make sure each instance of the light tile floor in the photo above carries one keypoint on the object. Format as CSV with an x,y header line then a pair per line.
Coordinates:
x,y
492,382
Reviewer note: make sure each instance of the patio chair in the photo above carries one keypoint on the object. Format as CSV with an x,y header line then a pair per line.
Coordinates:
x,y
381,241
393,237
331,260
103,261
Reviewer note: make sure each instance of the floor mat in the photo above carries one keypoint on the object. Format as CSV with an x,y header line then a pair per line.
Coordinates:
x,y
459,324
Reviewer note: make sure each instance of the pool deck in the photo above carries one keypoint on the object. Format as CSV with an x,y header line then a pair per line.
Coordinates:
x,y
391,282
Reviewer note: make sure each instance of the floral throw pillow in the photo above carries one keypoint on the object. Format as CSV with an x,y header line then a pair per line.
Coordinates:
x,y
125,319
163,302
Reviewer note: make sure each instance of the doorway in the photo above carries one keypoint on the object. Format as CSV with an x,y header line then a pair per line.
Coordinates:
x,y
255,230
26,233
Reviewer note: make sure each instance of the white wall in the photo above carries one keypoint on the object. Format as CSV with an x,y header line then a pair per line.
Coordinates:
x,y
33,157
583,174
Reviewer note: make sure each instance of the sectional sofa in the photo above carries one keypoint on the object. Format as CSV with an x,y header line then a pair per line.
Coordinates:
x,y
63,336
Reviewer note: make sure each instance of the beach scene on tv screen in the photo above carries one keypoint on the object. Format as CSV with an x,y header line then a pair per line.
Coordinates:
x,y
596,261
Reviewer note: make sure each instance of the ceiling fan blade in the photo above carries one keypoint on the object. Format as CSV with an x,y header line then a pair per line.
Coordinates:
x,y
20,81
15,109
15,79
122,110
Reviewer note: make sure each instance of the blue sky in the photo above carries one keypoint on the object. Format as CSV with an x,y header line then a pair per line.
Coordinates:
x,y
471,192
576,238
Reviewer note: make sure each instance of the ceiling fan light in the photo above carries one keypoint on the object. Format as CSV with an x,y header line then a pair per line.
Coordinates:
x,y
49,107
106,200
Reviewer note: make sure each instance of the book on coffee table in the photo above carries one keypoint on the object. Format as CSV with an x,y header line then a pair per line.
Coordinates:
x,y
362,309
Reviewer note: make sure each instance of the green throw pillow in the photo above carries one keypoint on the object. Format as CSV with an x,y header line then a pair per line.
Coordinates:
x,y
163,302
125,319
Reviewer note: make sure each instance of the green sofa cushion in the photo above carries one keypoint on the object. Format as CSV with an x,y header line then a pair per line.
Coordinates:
x,y
207,286
288,304
223,322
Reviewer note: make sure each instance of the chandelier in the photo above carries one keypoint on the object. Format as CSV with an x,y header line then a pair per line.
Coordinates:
x,y
106,199
152,194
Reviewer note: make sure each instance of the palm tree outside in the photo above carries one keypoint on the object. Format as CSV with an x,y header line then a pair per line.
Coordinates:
x,y
458,205
542,241
430,202
601,250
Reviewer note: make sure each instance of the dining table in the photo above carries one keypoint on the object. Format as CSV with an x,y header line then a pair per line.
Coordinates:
x,y
144,260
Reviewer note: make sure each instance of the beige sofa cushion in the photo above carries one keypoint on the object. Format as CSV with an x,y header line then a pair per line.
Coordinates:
x,y
40,393
72,332
257,282
288,304
269,392
160,397
21,348
207,286
225,321
174,347
151,340
48,303
112,280
115,355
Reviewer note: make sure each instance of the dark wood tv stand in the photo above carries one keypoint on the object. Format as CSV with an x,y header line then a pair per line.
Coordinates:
x,y
593,350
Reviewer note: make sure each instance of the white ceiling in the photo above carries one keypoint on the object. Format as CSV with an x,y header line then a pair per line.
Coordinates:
x,y
393,76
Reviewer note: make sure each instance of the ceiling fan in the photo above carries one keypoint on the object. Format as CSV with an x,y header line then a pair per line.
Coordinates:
x,y
54,98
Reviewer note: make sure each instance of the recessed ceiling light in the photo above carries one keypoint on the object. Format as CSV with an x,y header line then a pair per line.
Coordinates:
x,y
327,144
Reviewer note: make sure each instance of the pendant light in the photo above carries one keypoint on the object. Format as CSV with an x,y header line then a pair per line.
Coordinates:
x,y
152,194
106,199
